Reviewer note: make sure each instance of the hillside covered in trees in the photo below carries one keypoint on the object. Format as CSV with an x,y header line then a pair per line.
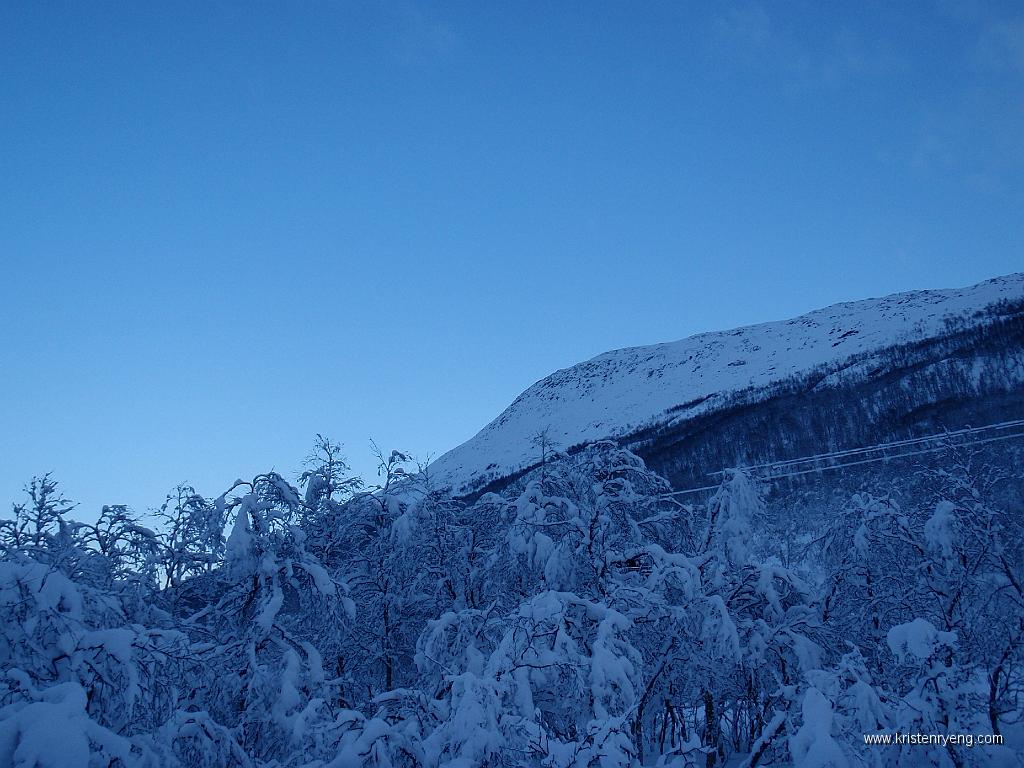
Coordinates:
x,y
853,374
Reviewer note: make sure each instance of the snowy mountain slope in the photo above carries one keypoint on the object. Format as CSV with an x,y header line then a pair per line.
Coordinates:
x,y
620,393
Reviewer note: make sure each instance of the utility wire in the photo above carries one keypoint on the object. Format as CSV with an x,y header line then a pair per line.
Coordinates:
x,y
883,446
867,449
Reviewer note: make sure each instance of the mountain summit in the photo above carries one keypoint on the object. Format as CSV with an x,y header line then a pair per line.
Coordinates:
x,y
857,371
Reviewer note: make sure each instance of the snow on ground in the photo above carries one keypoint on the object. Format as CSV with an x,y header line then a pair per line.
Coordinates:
x,y
619,392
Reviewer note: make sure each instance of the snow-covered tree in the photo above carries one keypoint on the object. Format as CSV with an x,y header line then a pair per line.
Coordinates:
x,y
583,617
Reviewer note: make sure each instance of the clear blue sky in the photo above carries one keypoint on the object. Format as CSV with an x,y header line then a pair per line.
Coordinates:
x,y
225,227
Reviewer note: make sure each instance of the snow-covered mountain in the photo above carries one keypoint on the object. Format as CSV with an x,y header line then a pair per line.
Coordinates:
x,y
637,394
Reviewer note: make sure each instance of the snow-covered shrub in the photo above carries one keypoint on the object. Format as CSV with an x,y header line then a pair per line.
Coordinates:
x,y
50,728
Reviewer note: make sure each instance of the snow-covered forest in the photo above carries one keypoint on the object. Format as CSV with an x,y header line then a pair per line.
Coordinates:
x,y
582,617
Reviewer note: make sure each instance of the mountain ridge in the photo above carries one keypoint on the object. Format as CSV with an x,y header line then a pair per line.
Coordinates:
x,y
627,392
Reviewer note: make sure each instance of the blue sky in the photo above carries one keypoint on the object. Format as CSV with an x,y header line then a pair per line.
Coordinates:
x,y
225,227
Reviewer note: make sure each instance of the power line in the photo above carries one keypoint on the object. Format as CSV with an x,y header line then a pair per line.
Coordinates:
x,y
883,446
868,449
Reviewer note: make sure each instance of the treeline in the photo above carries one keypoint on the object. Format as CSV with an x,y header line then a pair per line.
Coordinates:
x,y
581,618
